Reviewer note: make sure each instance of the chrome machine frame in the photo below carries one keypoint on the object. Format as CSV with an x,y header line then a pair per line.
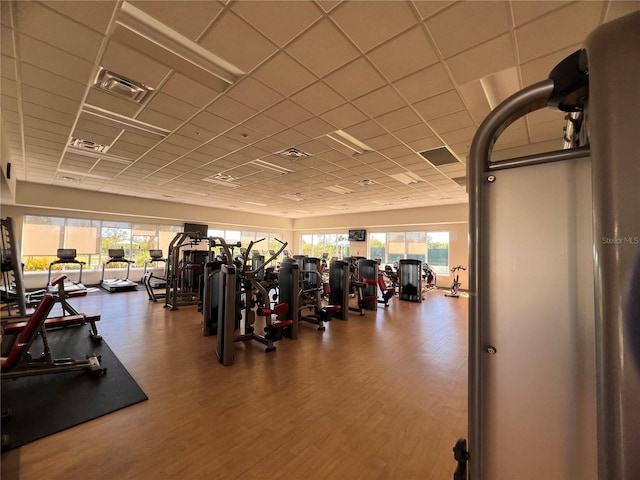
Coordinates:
x,y
610,66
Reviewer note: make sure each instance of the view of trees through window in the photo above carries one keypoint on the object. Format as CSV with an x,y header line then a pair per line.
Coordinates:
x,y
334,244
42,236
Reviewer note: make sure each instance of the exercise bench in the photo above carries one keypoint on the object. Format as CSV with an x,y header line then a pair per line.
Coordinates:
x,y
20,362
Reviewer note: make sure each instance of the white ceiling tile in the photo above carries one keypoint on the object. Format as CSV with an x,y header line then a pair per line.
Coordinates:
x,y
468,23
431,7
211,122
171,106
47,114
318,98
189,18
443,104
231,109
344,116
284,74
57,30
252,92
401,118
453,121
8,67
424,84
237,42
94,14
315,127
405,54
47,99
44,56
56,84
159,119
458,136
414,133
527,10
264,124
322,48
379,102
584,19
279,21
355,79
113,103
187,90
288,113
370,23
365,130
490,57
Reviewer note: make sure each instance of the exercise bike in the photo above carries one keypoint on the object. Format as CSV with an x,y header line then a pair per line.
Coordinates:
x,y
455,285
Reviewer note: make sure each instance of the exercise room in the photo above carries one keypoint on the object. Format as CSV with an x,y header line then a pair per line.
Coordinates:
x,y
392,239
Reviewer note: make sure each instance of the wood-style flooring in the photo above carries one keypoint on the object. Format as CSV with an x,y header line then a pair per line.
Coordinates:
x,y
382,396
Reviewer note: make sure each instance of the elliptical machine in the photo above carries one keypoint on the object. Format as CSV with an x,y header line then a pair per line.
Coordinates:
x,y
455,285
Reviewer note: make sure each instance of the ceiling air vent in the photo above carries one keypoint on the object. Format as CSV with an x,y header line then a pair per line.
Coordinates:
x,y
296,197
439,156
293,153
338,189
462,181
222,179
87,145
366,182
122,86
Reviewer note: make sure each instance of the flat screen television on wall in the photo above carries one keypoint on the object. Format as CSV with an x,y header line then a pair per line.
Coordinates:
x,y
357,235
196,230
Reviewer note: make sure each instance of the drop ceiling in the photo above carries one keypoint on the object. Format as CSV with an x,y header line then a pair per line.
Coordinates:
x,y
291,108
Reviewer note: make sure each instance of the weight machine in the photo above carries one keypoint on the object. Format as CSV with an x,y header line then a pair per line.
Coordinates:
x,y
410,278
240,288
554,366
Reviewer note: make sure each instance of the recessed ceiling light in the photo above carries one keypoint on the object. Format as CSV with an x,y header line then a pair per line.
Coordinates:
x,y
271,167
338,189
349,141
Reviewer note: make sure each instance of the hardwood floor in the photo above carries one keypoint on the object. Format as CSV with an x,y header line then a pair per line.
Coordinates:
x,y
383,396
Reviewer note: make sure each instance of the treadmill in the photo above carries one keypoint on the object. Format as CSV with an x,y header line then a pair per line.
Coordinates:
x,y
117,284
71,288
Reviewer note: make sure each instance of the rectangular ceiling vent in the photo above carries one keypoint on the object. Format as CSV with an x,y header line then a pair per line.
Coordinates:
x,y
439,156
462,181
407,178
122,86
293,153
338,189
87,145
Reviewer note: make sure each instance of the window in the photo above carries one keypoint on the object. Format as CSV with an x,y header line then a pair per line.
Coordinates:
x,y
92,239
438,252
378,246
333,244
395,246
416,245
